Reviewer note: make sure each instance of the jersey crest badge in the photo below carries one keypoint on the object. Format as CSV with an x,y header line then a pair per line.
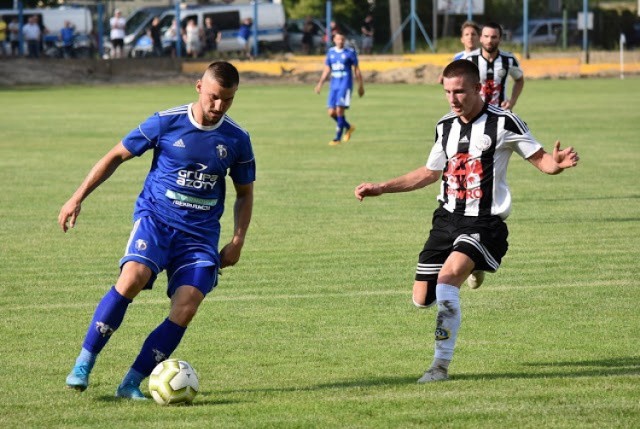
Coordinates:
x,y
222,151
141,245
483,143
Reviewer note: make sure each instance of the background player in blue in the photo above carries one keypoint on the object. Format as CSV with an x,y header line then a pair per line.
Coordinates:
x,y
339,62
176,219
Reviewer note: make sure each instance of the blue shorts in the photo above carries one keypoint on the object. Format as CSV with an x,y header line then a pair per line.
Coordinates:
x,y
188,259
339,97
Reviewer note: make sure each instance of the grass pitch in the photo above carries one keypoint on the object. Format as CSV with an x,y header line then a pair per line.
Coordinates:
x,y
315,326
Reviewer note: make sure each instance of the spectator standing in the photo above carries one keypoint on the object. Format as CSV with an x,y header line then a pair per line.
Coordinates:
x,y
307,36
3,36
33,36
67,34
117,24
14,36
212,36
172,36
244,36
367,34
192,39
156,36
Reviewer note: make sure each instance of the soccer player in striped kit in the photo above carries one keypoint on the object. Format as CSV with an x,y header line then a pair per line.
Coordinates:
x,y
176,219
495,67
473,144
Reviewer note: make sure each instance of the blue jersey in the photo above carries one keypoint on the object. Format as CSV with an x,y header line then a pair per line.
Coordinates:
x,y
185,187
341,61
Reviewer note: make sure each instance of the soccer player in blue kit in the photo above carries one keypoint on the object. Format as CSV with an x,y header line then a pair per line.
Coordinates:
x,y
339,62
176,220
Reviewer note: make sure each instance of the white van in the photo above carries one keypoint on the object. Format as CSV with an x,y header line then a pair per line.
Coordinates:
x,y
271,23
53,19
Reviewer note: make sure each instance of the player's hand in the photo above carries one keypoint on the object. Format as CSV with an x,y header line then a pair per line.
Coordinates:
x,y
361,91
318,88
69,213
506,105
230,254
367,190
565,158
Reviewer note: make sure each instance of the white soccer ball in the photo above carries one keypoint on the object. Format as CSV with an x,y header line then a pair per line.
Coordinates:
x,y
173,382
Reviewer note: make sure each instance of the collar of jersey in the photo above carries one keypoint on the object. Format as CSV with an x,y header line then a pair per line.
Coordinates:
x,y
200,126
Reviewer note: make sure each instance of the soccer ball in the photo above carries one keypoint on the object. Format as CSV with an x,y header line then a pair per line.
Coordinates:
x,y
173,381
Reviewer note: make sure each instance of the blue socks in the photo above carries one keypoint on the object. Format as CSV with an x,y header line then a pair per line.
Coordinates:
x,y
106,319
157,347
342,125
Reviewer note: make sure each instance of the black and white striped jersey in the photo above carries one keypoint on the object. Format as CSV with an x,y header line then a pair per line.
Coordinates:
x,y
494,74
474,157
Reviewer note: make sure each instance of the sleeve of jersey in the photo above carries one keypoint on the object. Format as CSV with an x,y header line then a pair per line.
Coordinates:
x,y
143,138
515,71
243,171
437,157
518,136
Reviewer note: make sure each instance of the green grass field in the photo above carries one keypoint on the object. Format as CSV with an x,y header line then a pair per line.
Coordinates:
x,y
315,326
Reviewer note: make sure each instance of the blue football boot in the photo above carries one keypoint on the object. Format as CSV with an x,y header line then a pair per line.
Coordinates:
x,y
130,391
78,378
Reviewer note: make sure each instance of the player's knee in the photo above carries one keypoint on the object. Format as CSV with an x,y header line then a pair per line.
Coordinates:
x,y
424,294
182,314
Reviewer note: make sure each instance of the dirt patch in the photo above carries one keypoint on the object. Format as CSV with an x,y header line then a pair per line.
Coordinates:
x,y
24,72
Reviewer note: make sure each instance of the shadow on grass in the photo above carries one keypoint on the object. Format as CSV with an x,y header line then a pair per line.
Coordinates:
x,y
603,368
203,399
569,369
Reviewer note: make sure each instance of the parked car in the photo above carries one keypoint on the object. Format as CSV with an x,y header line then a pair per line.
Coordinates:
x,y
633,36
294,35
547,32
227,17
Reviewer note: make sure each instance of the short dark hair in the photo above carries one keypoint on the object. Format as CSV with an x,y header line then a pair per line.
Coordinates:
x,y
462,68
224,73
495,26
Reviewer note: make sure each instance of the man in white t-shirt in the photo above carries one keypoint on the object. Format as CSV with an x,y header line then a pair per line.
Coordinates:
x,y
32,35
117,23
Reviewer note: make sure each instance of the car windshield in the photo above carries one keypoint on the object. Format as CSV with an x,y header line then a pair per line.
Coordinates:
x,y
139,17
518,31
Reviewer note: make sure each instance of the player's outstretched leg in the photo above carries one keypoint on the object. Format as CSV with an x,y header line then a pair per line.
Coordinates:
x,y
106,319
447,325
157,347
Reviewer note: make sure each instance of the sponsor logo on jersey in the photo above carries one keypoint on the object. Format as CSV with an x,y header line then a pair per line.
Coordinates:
x,y
463,140
179,143
197,179
463,176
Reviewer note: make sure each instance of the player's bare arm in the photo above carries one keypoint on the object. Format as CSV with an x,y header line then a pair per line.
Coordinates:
x,y
555,162
416,179
100,172
518,85
325,74
242,209
358,75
